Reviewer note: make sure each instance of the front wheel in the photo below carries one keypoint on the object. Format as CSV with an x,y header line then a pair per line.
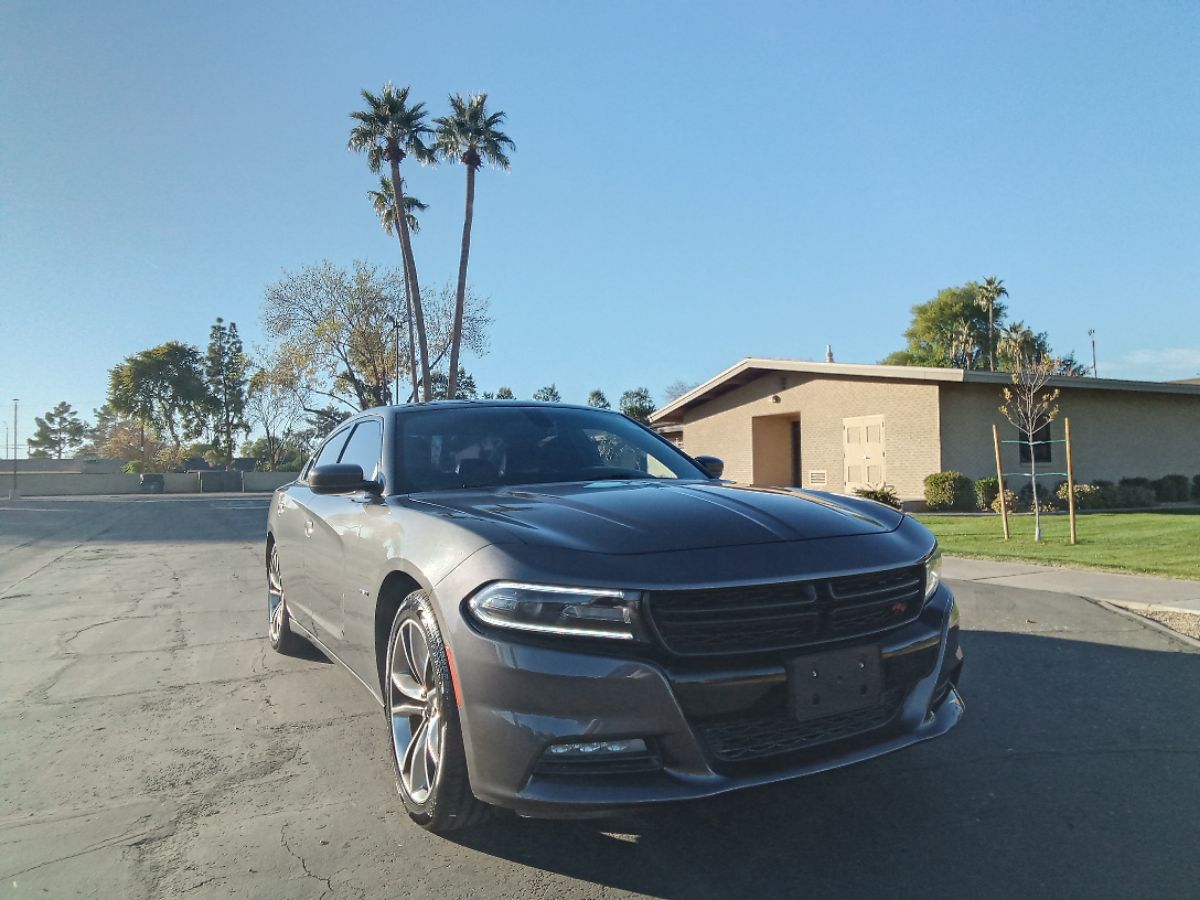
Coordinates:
x,y
427,745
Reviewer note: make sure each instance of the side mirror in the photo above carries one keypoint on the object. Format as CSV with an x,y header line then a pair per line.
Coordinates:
x,y
341,478
713,466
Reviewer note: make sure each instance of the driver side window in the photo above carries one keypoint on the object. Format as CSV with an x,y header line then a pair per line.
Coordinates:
x,y
333,447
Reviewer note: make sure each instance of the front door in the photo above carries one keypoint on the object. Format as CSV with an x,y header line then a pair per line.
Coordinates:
x,y
864,452
337,519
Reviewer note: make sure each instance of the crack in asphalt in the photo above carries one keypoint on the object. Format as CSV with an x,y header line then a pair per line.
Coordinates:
x,y
127,838
303,863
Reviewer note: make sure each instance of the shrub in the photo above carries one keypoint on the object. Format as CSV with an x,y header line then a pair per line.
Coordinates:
x,y
1011,500
986,490
1045,498
1046,502
1108,495
1171,488
885,493
949,490
135,467
1134,496
1087,496
1196,487
1136,482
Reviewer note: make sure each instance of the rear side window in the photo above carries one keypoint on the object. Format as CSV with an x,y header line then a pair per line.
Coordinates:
x,y
364,448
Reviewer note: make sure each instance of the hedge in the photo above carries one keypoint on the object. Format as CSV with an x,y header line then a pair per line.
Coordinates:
x,y
949,491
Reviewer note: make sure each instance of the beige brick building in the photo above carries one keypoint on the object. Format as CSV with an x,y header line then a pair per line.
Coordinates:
x,y
834,426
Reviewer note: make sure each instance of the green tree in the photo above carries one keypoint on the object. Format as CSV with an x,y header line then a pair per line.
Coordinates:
x,y
389,130
471,135
547,394
384,201
949,331
58,432
163,388
637,404
986,296
597,399
225,371
274,456
464,386
505,393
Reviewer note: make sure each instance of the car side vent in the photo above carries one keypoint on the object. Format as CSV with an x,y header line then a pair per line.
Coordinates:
x,y
818,477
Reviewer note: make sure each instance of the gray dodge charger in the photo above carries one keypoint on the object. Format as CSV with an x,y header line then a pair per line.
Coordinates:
x,y
563,614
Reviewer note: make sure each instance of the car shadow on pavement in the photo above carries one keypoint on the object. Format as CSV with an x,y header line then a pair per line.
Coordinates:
x,y
1075,772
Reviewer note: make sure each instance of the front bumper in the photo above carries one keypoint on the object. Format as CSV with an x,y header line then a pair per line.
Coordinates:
x,y
517,699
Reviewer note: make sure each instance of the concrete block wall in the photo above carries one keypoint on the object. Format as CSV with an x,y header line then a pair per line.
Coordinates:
x,y
266,481
68,484
749,429
1114,434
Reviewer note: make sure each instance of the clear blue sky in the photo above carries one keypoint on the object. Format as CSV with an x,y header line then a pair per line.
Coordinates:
x,y
693,183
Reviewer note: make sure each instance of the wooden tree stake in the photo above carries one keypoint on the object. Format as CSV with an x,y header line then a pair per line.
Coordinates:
x,y
1000,478
1070,477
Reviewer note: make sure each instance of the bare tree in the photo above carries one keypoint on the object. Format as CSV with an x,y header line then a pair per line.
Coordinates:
x,y
276,410
335,340
1029,405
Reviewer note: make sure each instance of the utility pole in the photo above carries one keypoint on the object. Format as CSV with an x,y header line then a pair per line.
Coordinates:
x,y
14,494
396,332
1092,335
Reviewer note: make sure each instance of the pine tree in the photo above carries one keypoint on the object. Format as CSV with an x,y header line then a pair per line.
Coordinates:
x,y
59,431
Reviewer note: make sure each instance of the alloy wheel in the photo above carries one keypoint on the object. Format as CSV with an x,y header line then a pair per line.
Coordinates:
x,y
276,609
415,709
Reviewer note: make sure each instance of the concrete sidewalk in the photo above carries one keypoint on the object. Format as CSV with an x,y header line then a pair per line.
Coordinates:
x,y
1134,592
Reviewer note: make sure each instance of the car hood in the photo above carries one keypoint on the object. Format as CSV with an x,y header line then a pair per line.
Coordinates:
x,y
657,516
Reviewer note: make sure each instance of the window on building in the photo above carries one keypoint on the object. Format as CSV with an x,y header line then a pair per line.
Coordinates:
x,y
1041,445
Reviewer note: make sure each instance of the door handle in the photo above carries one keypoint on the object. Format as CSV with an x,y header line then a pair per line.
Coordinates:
x,y
308,528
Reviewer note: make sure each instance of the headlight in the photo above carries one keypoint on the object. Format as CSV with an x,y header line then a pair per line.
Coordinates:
x,y
933,572
548,609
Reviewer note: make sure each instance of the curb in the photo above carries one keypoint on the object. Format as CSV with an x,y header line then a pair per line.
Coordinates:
x,y
1121,610
1138,607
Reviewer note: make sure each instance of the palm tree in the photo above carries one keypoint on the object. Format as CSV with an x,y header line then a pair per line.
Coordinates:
x,y
986,296
384,202
471,135
389,130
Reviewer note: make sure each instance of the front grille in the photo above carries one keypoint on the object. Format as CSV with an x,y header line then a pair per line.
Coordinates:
x,y
743,740
782,616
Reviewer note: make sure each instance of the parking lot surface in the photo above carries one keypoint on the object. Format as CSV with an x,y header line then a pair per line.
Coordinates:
x,y
151,745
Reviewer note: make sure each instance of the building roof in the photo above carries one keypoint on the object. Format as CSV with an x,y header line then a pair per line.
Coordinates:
x,y
752,368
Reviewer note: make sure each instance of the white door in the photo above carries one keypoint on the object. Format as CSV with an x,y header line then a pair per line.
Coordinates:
x,y
864,453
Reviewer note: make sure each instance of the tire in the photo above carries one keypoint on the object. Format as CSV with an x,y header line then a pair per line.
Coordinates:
x,y
426,737
279,630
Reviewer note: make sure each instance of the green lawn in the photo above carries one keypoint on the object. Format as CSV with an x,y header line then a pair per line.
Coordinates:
x,y
1159,543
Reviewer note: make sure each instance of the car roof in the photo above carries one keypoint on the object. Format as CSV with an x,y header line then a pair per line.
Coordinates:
x,y
462,404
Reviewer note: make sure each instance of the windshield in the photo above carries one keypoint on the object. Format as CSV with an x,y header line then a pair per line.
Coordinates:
x,y
490,446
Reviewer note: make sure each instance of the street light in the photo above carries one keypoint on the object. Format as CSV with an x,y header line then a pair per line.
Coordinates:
x,y
14,494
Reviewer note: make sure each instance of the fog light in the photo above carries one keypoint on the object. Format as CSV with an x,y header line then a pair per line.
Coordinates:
x,y
599,748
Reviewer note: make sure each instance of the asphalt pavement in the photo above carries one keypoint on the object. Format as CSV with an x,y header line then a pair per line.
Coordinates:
x,y
151,745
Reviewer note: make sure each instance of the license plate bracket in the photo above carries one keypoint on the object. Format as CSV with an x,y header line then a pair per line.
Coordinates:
x,y
835,681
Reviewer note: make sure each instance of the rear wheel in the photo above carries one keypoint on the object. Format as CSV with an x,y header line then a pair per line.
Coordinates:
x,y
427,745
279,630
